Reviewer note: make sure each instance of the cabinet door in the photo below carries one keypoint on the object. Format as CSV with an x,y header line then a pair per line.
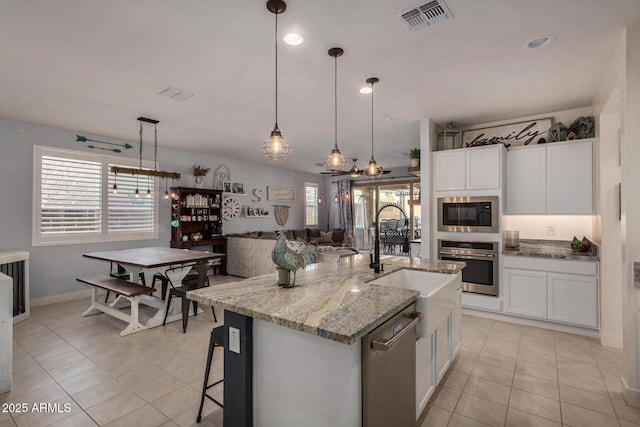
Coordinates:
x,y
449,170
570,178
526,181
483,168
526,292
573,299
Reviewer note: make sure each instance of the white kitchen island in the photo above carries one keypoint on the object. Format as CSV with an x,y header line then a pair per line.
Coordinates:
x,y
300,358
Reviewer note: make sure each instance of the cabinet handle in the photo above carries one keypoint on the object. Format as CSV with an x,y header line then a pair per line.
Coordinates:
x,y
385,344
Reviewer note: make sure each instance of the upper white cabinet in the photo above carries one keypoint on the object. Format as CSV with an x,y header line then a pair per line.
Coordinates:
x,y
550,179
477,168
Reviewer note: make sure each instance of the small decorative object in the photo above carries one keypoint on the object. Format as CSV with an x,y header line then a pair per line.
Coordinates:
x,y
257,193
510,135
226,186
230,208
199,172
558,132
583,245
571,136
175,223
542,141
512,239
290,260
450,138
414,155
583,127
221,174
237,187
282,214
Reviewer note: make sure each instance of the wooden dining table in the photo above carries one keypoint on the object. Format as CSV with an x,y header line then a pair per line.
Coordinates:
x,y
149,261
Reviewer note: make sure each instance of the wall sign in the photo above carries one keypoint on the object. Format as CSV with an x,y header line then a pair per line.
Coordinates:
x,y
511,135
281,194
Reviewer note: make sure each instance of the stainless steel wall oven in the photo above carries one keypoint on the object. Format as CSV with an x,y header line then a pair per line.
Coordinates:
x,y
468,214
481,273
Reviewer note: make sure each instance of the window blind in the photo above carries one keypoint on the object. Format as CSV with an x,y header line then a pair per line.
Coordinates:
x,y
311,204
125,212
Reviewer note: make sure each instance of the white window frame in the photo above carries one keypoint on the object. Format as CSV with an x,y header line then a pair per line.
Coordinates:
x,y
37,239
315,205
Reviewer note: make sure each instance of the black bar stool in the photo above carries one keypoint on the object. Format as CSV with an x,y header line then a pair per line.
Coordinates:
x,y
216,340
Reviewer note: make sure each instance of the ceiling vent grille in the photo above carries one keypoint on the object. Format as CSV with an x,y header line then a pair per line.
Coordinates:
x,y
426,14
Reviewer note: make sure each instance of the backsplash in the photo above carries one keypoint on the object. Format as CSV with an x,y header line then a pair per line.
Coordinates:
x,y
550,227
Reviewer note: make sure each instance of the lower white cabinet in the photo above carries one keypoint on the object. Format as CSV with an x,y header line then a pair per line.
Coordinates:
x,y
562,291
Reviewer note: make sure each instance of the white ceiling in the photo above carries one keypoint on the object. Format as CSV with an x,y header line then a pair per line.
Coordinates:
x,y
95,66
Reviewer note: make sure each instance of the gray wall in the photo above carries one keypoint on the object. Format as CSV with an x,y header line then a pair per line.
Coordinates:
x,y
53,269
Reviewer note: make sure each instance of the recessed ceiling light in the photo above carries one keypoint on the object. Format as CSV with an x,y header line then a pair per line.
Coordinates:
x,y
365,89
293,39
540,42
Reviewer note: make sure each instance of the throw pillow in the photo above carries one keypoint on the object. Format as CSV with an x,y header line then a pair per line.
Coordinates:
x,y
313,233
338,235
300,234
348,242
326,237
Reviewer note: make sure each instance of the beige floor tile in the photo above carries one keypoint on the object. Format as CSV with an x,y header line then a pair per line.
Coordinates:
x,y
517,418
538,370
586,399
4,415
503,348
116,407
435,417
446,398
625,423
535,404
147,416
50,362
9,423
463,365
507,328
170,423
482,410
536,385
85,380
455,379
626,412
576,416
493,374
159,386
212,415
488,390
25,383
582,381
99,393
578,366
458,420
537,353
80,419
48,411
497,360
175,403
74,369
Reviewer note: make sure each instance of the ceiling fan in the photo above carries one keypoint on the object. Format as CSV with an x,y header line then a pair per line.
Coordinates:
x,y
355,171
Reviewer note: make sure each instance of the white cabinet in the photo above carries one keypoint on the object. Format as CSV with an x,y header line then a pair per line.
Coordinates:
x,y
526,292
527,180
6,332
477,168
563,291
550,179
570,178
573,299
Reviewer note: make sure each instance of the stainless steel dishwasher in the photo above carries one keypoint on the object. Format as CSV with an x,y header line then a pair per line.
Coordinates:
x,y
389,371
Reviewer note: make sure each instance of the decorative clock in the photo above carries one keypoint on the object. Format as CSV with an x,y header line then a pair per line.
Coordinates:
x,y
230,208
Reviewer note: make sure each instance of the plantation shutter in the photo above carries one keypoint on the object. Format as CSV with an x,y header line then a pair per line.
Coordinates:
x,y
311,203
126,213
71,197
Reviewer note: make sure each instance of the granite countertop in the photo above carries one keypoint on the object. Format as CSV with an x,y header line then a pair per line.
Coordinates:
x,y
552,249
331,299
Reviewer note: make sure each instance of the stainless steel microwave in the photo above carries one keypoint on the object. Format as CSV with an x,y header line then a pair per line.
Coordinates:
x,y
468,214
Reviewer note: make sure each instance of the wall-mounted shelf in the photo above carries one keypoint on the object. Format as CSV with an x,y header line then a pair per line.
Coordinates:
x,y
414,170
414,202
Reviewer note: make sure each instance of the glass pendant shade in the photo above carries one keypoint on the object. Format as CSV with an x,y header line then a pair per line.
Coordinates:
x,y
373,169
115,188
335,161
276,147
137,194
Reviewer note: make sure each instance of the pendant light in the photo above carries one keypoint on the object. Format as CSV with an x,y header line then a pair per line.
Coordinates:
x,y
372,169
276,147
335,162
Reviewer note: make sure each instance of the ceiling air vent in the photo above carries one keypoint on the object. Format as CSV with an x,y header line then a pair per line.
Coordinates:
x,y
425,14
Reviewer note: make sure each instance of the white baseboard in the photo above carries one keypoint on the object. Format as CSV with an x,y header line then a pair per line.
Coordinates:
x,y
532,322
69,296
611,341
631,396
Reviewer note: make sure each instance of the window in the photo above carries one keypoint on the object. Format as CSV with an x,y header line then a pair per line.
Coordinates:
x,y
311,204
73,202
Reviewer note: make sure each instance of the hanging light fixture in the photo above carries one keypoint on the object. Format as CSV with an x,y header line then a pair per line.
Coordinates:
x,y
145,172
372,169
335,162
115,184
166,191
276,147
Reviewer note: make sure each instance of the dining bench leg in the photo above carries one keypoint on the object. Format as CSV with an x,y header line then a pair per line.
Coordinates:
x,y
92,310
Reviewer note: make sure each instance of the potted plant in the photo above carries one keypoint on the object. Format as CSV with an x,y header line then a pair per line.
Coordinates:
x,y
414,155
199,172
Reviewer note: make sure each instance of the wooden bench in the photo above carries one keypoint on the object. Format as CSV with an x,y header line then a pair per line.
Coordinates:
x,y
132,292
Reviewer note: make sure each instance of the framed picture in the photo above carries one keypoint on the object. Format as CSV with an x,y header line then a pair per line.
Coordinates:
x,y
237,187
281,194
250,211
226,186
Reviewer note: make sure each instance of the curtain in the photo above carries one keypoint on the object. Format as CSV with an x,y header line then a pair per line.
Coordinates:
x,y
345,209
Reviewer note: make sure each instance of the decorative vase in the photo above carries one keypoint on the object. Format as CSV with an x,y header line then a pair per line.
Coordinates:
x,y
199,181
415,163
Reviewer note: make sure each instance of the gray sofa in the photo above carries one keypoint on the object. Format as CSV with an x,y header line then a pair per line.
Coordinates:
x,y
249,254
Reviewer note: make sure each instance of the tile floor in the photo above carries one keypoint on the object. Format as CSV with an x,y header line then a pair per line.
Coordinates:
x,y
504,375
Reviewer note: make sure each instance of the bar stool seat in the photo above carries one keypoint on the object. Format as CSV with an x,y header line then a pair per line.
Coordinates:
x,y
216,340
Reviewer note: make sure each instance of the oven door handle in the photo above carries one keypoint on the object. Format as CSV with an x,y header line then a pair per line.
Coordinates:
x,y
474,256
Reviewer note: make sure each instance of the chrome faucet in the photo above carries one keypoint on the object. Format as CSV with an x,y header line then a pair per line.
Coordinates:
x,y
375,258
